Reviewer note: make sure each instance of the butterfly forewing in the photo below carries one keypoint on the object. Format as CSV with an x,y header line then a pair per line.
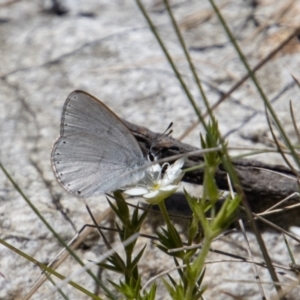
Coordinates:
x,y
96,152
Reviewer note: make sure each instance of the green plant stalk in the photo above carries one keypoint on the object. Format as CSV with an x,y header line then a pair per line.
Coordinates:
x,y
226,160
255,81
228,164
59,290
267,58
170,60
188,58
189,95
197,266
51,229
211,228
209,234
201,118
48,269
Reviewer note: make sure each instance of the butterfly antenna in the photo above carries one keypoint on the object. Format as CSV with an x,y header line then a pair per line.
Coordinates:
x,y
151,154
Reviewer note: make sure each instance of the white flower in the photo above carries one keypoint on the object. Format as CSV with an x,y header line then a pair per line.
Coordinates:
x,y
156,186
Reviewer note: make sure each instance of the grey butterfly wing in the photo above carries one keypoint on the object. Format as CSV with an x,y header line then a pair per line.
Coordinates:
x,y
95,152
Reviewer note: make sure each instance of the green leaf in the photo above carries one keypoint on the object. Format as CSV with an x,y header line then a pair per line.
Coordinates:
x,y
138,257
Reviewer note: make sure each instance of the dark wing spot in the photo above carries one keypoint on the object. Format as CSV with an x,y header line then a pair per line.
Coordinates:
x,y
78,192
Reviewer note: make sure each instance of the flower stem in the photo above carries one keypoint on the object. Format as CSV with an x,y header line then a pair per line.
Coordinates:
x,y
197,267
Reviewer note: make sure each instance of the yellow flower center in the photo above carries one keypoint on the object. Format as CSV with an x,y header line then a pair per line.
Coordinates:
x,y
156,186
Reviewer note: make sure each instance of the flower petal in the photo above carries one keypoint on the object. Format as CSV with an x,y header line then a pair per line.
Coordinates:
x,y
151,195
161,194
169,188
136,191
173,173
179,163
153,175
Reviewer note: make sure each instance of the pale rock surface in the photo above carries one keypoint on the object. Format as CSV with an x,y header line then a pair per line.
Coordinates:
x,y
106,49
